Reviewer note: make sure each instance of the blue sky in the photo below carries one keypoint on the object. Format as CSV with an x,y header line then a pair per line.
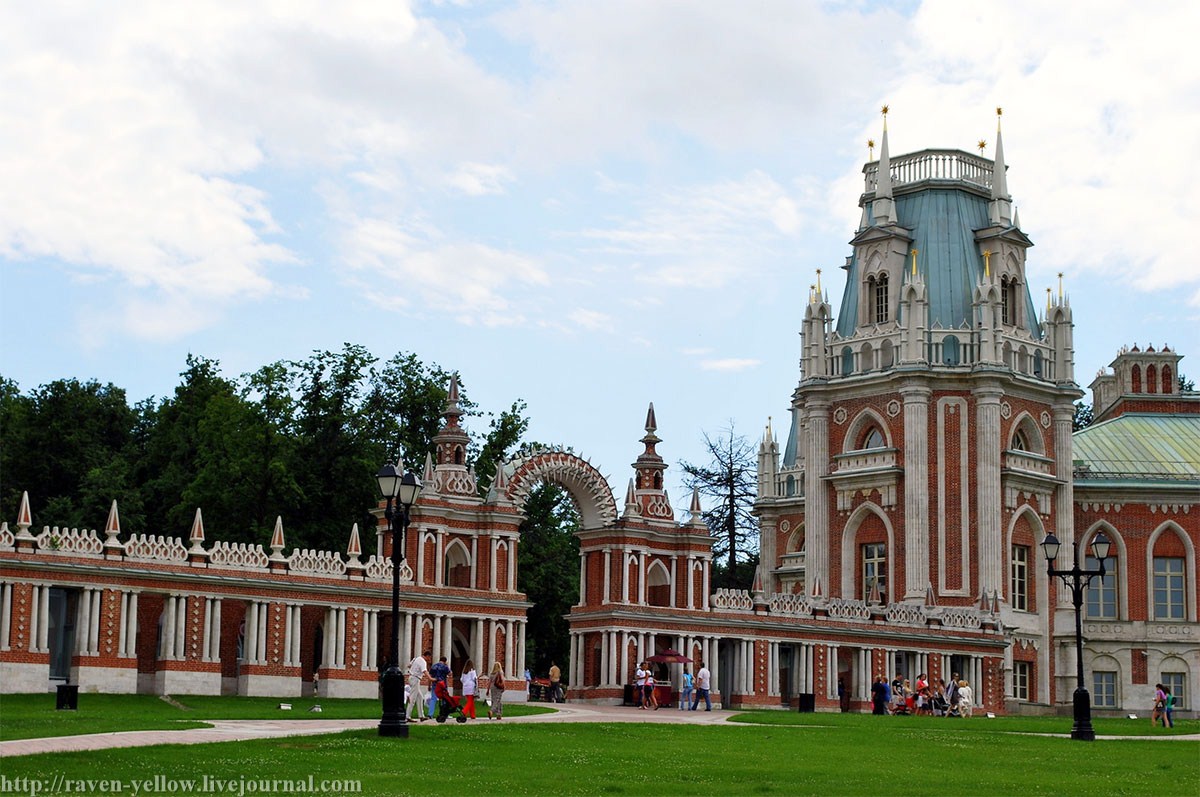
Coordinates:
x,y
590,206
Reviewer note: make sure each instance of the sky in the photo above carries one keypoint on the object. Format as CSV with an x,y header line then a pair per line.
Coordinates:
x,y
589,206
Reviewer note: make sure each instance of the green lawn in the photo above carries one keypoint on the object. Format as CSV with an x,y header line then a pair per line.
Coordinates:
x,y
33,716
857,755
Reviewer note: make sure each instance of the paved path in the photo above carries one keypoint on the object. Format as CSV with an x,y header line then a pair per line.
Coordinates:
x,y
240,730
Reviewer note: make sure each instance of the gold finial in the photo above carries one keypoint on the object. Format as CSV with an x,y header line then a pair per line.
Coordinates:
x,y
870,149
982,144
1060,287
999,111
818,282
987,263
914,265
1047,298
884,110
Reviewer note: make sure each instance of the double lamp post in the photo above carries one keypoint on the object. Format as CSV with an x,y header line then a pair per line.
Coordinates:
x,y
401,493
1077,579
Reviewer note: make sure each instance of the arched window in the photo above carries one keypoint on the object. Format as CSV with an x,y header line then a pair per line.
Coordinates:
x,y
458,566
887,355
873,438
950,353
1020,441
1151,379
874,569
1101,596
1137,380
1167,382
1037,363
847,361
1008,301
879,291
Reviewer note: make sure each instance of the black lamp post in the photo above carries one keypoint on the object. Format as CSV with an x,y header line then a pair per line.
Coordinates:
x,y
403,491
1077,579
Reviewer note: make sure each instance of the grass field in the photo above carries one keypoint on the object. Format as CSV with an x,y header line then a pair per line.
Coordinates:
x,y
33,716
759,753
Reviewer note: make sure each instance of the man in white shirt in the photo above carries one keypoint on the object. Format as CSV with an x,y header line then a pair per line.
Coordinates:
x,y
639,688
703,682
418,668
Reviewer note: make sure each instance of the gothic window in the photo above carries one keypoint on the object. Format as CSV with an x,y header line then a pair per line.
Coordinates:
x,y
847,361
872,438
879,296
874,569
1019,588
458,455
1137,380
1101,596
1020,442
1151,379
1167,384
1008,301
1168,588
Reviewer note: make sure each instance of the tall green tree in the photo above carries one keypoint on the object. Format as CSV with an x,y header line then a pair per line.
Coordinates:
x,y
504,434
728,483
64,436
548,574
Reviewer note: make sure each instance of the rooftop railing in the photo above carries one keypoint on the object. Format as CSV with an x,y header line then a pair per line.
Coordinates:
x,y
947,165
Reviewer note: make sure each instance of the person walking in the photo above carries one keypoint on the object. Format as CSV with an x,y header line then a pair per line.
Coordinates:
x,y
469,680
703,682
418,669
639,685
878,696
966,698
1168,707
555,683
1160,703
496,692
685,692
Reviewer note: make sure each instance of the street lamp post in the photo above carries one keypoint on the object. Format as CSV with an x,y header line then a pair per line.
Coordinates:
x,y
1077,579
401,491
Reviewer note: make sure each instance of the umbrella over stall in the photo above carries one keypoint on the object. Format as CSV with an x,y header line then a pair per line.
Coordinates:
x,y
670,656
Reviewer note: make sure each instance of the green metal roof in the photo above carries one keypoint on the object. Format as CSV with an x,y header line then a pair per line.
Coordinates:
x,y
943,222
1140,446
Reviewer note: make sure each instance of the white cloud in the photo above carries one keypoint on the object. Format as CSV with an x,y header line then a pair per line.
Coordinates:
x,y
591,319
478,179
469,282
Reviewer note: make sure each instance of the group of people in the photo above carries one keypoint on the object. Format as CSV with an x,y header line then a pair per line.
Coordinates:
x,y
1164,707
420,673
938,699
692,688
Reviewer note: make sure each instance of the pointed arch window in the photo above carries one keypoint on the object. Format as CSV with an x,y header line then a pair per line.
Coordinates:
x,y
879,298
1151,379
1008,301
1167,385
874,569
1020,441
872,438
1137,379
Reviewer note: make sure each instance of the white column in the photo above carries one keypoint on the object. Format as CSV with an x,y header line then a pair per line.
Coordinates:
x,y
773,668
606,668
5,615
512,565
293,631
477,646
474,564
510,658
916,496
714,667
83,621
831,673
437,638
623,657
44,620
181,622
651,644
439,575
130,626
419,575
945,667
341,636
674,581
260,651
641,578
690,603
582,579
167,645
707,565
521,648
407,649
368,640
614,677
495,546
93,626
607,576
214,649
641,647
447,628
206,639
35,618
624,577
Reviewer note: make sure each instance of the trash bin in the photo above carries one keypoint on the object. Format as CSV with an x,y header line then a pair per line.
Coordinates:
x,y
67,698
808,703
628,696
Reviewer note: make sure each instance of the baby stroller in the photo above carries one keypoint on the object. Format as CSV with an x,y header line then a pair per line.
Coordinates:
x,y
448,704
